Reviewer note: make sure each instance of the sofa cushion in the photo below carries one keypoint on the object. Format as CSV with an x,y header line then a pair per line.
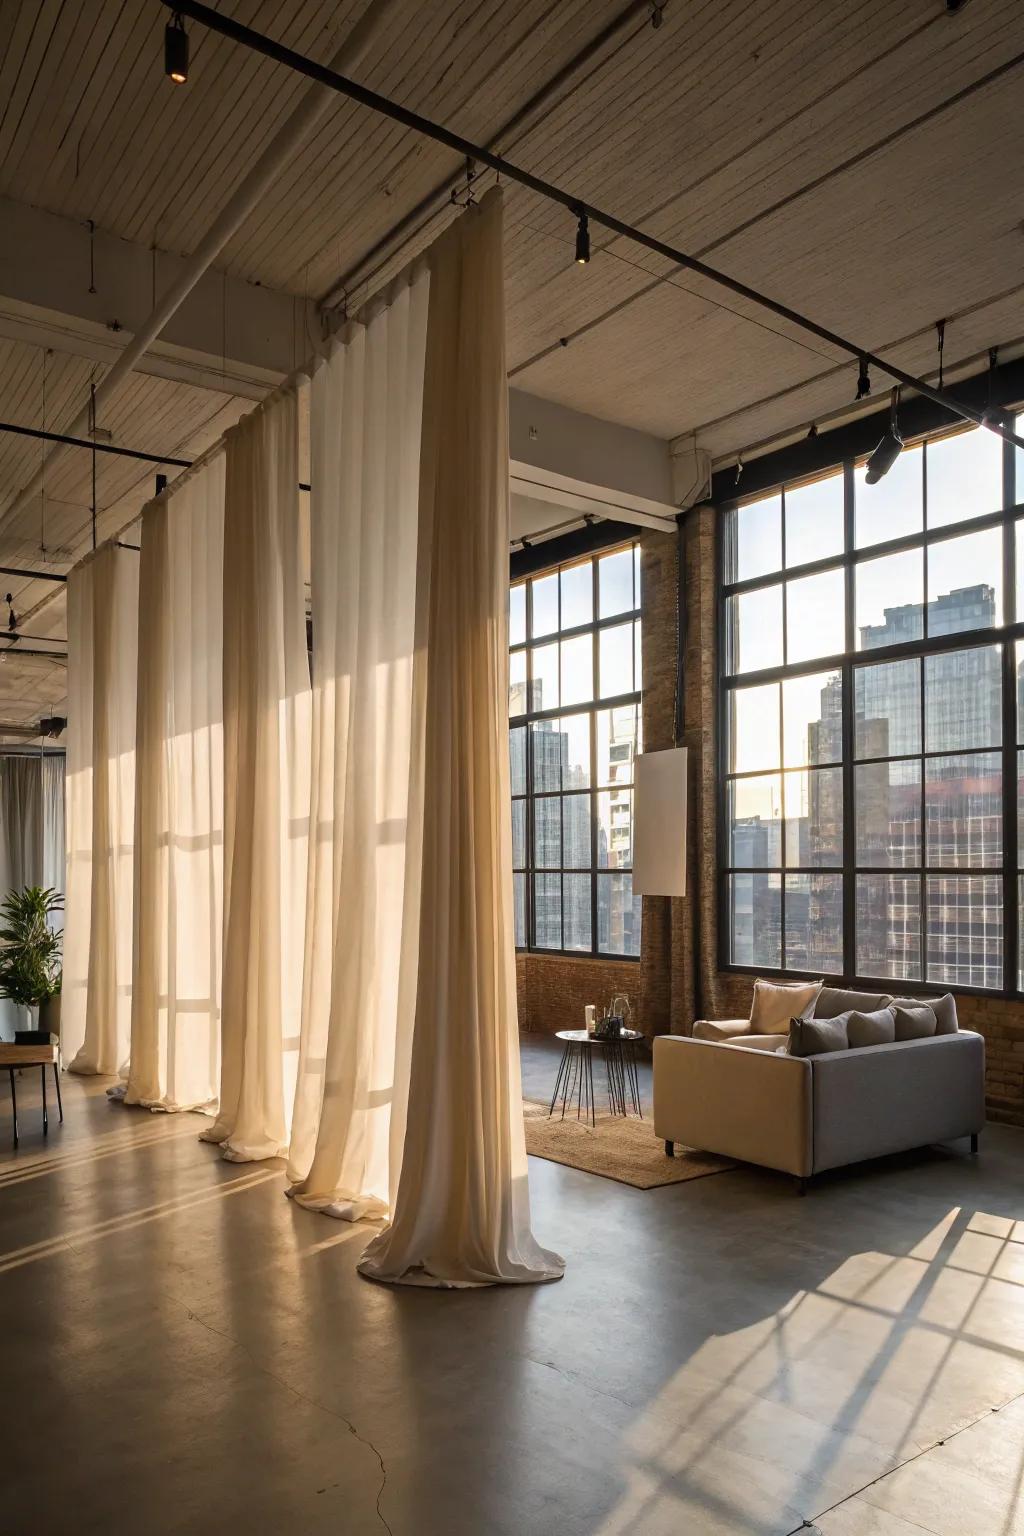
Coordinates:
x,y
875,1028
720,1029
776,1002
832,1001
751,1042
813,1037
915,1022
944,1009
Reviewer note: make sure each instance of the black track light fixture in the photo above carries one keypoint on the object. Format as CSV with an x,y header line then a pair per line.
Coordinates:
x,y
889,449
176,50
863,380
582,239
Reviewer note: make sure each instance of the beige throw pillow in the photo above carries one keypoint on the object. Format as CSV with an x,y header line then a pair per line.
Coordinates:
x,y
776,1002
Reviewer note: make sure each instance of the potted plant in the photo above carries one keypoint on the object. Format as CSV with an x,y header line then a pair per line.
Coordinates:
x,y
30,952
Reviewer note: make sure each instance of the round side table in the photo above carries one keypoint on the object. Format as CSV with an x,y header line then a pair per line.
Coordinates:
x,y
575,1078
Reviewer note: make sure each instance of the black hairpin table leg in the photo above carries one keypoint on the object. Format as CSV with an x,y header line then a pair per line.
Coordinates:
x,y
56,1079
46,1122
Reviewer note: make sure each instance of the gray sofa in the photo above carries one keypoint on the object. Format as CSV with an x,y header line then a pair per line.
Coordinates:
x,y
727,1091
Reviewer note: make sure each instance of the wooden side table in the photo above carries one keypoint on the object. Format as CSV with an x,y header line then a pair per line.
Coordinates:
x,y
42,1056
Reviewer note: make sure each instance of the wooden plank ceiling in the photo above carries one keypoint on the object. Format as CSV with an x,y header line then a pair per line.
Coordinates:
x,y
853,161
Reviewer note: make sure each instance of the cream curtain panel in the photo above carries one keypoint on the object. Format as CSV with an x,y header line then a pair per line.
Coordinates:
x,y
366,403
102,671
54,852
266,781
21,850
179,798
409,1093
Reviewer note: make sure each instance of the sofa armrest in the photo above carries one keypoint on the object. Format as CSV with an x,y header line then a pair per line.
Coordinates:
x,y
749,1104
720,1029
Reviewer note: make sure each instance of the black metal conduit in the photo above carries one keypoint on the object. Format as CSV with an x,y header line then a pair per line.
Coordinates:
x,y
361,94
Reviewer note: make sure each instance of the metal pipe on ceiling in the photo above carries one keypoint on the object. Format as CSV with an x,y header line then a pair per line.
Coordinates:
x,y
361,94
250,189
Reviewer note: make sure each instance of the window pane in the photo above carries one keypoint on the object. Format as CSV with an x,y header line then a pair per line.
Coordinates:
x,y
814,923
965,476
888,814
814,817
637,569
616,660
576,912
894,508
754,535
755,822
578,670
575,733
963,700
963,805
615,829
814,521
576,832
548,744
754,728
618,915
1019,663
890,599
965,583
815,616
545,605
547,911
577,595
755,920
888,922
618,742
519,897
615,583
519,834
517,614
812,720
517,759
544,688
1020,816
965,930
887,704
547,833
754,630
517,683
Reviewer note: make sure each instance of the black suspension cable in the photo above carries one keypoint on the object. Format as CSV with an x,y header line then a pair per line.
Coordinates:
x,y
465,148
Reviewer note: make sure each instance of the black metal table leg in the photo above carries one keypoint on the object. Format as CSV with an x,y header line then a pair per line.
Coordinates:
x,y
56,1079
563,1066
14,1105
46,1122
633,1074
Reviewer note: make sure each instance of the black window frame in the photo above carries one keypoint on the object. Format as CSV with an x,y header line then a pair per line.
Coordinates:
x,y
592,708
1006,635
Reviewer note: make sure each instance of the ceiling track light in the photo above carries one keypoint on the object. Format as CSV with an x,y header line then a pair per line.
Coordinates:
x,y
890,448
582,239
863,380
176,50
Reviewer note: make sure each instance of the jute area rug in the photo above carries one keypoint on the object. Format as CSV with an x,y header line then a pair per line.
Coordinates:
x,y
626,1150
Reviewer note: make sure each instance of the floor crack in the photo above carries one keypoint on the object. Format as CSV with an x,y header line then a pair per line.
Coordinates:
x,y
312,1402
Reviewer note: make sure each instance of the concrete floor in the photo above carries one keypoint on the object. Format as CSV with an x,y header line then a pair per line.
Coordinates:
x,y
184,1351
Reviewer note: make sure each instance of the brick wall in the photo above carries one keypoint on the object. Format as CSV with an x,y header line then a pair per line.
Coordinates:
x,y
678,978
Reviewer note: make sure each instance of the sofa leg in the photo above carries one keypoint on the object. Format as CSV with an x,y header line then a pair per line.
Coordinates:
x,y
974,1145
801,1185
670,1149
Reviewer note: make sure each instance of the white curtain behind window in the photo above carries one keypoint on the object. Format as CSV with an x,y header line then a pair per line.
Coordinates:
x,y
102,669
53,826
21,850
266,781
366,405
179,798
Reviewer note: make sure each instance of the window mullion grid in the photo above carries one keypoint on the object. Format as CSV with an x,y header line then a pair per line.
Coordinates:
x,y
923,812
594,933
847,724
783,840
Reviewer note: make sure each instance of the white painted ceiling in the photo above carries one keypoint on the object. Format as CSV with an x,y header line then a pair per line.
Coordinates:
x,y
856,162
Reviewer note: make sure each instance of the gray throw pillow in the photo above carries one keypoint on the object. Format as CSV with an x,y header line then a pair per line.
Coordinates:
x,y
812,1037
915,1023
944,1009
832,1001
875,1028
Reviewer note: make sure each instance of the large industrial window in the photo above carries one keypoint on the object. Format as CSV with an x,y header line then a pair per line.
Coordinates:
x,y
871,692
574,709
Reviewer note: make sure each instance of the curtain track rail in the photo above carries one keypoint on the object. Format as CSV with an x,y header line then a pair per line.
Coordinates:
x,y
259,43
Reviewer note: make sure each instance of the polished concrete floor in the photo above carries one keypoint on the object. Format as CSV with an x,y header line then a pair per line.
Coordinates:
x,y
185,1351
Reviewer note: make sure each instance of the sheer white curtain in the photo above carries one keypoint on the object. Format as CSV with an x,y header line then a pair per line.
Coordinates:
x,y
366,406
409,1095
266,781
102,670
179,798
54,854
21,850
